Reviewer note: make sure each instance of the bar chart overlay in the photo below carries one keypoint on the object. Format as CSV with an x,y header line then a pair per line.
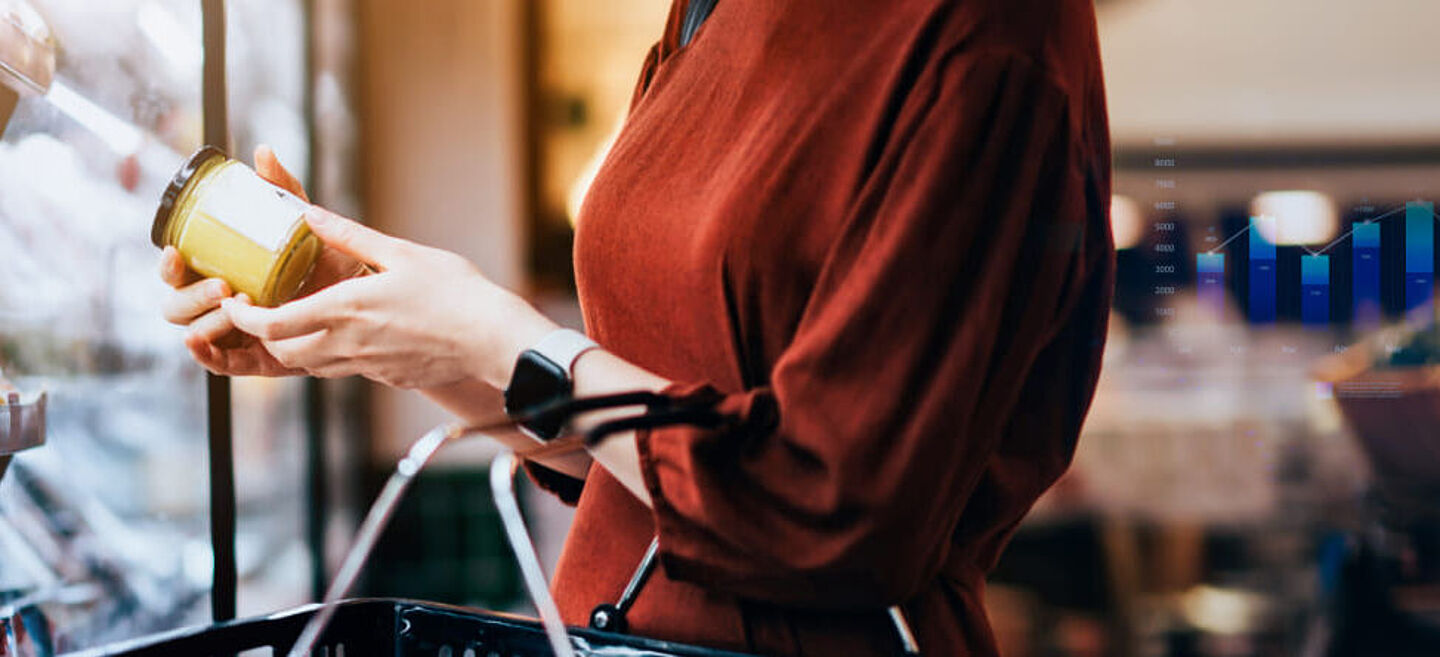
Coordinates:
x,y
1381,265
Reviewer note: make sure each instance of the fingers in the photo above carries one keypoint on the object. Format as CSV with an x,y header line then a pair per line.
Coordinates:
x,y
302,352
269,168
211,357
313,355
187,303
173,270
331,268
216,328
251,360
215,344
207,356
291,320
365,244
242,357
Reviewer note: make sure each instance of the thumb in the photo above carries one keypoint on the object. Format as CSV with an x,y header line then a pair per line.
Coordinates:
x,y
360,242
269,168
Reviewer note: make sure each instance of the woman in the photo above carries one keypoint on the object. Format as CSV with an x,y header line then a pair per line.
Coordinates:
x,y
873,234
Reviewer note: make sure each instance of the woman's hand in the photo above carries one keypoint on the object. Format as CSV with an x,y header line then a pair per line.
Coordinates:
x,y
195,303
426,318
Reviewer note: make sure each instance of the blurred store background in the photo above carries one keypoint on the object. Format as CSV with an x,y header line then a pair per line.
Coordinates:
x,y
1277,166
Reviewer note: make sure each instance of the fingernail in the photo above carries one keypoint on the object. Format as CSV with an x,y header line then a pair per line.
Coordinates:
x,y
217,289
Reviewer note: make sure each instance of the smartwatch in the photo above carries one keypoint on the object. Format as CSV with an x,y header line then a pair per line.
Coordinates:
x,y
543,375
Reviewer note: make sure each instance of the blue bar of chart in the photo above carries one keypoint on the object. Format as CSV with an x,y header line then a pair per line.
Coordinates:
x,y
1211,293
1262,272
1419,253
1365,241
1315,289
1389,268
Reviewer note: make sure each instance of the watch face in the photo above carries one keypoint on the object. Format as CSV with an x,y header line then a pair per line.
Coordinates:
x,y
537,381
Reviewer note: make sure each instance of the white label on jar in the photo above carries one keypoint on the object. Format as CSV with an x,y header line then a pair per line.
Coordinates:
x,y
262,212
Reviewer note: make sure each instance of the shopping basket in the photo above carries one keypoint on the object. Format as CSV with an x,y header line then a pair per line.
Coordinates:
x,y
385,627
399,628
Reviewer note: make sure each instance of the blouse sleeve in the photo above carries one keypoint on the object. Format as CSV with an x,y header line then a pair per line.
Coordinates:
x,y
844,478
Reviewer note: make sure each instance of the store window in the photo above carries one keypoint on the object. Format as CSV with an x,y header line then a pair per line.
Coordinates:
x,y
104,525
104,529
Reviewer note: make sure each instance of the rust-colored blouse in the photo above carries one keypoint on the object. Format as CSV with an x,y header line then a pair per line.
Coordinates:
x,y
877,233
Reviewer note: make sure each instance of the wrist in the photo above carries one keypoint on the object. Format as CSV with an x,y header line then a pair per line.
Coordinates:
x,y
524,326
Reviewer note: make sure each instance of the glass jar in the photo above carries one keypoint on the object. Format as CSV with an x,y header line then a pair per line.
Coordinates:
x,y
229,223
